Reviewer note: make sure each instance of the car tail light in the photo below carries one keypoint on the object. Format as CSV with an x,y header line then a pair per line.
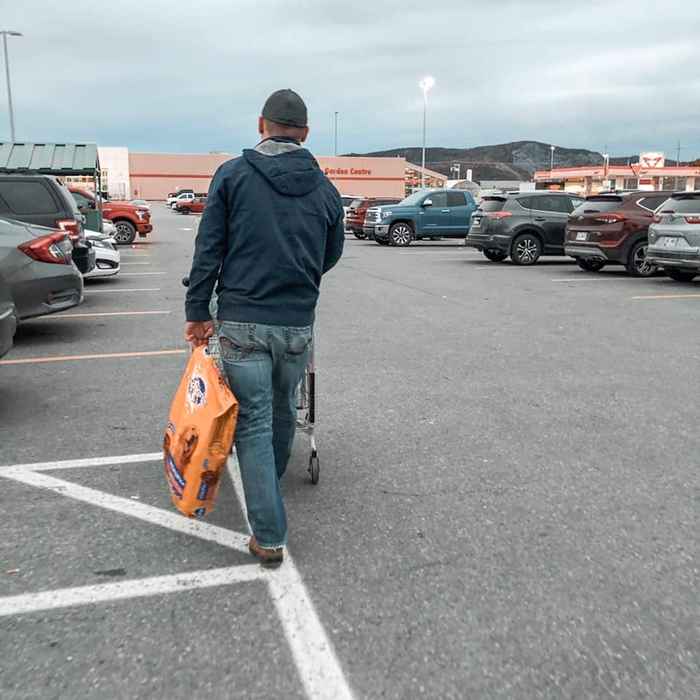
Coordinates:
x,y
47,248
610,218
71,227
692,219
498,214
660,215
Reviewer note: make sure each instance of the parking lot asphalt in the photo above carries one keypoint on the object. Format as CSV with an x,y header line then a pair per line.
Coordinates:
x,y
508,503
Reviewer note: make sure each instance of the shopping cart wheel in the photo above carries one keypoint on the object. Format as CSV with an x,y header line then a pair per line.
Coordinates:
x,y
314,467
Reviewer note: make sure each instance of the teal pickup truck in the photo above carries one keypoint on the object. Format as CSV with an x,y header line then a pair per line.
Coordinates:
x,y
424,214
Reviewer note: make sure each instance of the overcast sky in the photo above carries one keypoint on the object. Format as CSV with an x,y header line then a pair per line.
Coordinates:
x,y
192,76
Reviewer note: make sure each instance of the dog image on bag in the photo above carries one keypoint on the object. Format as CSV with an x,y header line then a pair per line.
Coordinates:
x,y
199,435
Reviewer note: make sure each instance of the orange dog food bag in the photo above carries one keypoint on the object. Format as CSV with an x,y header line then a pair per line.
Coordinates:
x,y
199,435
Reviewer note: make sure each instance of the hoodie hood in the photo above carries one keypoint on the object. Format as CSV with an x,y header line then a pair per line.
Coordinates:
x,y
294,173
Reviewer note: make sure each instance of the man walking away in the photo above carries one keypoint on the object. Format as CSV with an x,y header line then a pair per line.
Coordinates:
x,y
272,226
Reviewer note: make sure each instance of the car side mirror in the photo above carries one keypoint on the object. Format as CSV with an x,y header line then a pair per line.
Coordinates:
x,y
427,203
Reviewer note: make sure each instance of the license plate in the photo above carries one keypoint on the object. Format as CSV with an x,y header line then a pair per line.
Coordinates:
x,y
671,242
582,236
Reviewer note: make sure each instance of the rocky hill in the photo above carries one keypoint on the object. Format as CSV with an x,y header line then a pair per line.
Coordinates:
x,y
516,160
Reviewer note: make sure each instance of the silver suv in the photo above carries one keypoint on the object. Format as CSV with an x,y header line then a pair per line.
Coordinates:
x,y
674,237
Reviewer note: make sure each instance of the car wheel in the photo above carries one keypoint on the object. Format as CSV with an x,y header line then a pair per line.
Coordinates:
x,y
359,235
526,249
681,275
495,255
401,234
590,265
125,233
637,264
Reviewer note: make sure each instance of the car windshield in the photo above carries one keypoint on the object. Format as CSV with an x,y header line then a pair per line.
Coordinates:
x,y
415,198
682,205
492,204
598,204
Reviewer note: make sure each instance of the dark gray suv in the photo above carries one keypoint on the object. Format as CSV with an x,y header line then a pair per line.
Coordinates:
x,y
525,225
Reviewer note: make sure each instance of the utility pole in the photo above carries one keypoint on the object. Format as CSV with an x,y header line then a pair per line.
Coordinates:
x,y
425,85
335,136
5,33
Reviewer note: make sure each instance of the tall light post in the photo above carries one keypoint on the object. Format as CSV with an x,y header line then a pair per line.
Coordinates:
x,y
606,169
335,135
425,85
551,159
5,33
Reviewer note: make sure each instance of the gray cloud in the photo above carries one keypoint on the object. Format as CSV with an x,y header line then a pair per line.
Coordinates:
x,y
192,76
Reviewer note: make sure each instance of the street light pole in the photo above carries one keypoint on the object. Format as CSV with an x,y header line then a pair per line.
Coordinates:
x,y
335,137
551,160
5,33
425,86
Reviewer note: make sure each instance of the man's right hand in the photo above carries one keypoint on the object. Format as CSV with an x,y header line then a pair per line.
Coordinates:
x,y
198,332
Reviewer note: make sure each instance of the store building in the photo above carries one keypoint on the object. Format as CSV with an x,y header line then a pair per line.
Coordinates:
x,y
127,175
649,173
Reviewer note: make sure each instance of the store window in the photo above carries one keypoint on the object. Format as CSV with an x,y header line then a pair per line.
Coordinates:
x,y
631,183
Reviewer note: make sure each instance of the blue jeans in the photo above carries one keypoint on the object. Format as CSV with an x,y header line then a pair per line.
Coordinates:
x,y
264,365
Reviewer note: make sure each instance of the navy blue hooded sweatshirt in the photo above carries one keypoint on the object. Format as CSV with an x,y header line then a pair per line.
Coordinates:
x,y
273,224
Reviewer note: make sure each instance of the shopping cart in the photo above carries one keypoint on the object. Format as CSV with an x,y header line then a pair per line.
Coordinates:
x,y
305,394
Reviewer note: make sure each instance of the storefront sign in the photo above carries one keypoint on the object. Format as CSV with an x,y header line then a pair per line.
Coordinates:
x,y
651,160
330,172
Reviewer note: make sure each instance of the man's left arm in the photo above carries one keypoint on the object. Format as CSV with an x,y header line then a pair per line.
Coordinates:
x,y
209,251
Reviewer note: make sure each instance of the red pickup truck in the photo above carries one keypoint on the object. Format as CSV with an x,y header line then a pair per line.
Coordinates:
x,y
128,219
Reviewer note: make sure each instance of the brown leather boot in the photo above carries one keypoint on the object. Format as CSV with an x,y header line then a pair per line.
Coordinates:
x,y
268,557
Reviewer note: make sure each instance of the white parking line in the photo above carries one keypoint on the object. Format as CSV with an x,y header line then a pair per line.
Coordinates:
x,y
133,588
317,665
312,650
86,462
53,317
96,356
436,251
140,274
593,279
123,289
156,516
668,296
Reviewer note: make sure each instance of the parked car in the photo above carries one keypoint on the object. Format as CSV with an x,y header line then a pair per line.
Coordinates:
x,y
191,206
347,200
107,255
674,236
36,263
612,228
44,201
172,196
522,225
108,228
127,218
8,318
355,218
424,214
186,197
